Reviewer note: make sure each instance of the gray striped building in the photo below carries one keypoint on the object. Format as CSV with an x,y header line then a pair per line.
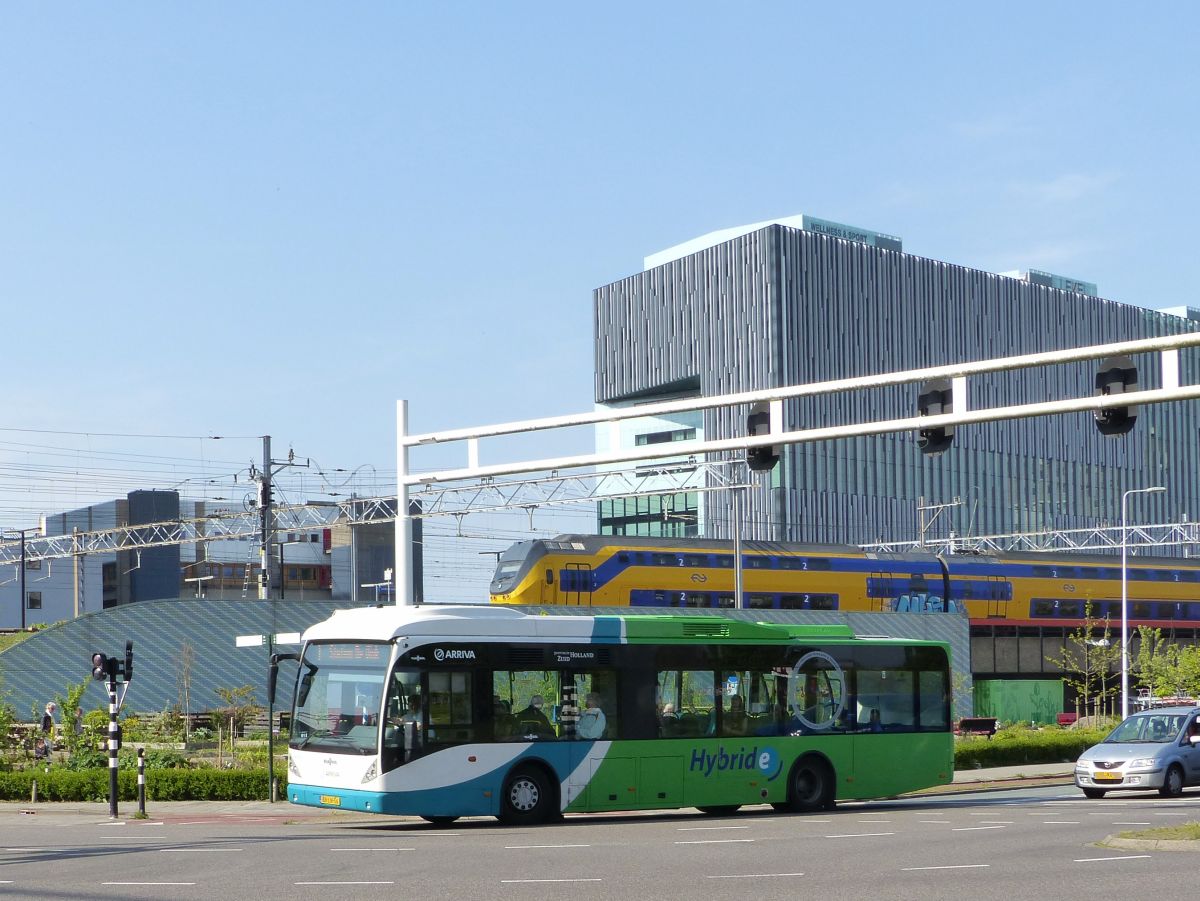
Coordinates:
x,y
780,305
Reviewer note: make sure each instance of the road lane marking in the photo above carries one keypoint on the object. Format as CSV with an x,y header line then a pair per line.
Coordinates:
x,y
708,828
958,866
1098,859
996,823
942,822
1060,822
174,848
973,828
147,883
372,849
533,847
718,841
860,834
343,883
1119,823
752,875
520,881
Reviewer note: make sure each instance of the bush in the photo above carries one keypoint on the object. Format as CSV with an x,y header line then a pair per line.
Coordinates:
x,y
1013,747
161,785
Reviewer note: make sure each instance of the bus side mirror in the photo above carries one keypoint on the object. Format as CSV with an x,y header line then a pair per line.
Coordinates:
x,y
273,673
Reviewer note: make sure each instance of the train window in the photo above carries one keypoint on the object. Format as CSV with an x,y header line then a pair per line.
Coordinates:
x,y
756,562
623,557
725,561
695,560
665,559
549,577
762,601
823,601
1045,572
791,601
697,599
1166,611
725,600
819,563
791,563
1140,609
1069,608
1042,607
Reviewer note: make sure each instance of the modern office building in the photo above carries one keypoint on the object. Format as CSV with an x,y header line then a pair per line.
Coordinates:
x,y
803,300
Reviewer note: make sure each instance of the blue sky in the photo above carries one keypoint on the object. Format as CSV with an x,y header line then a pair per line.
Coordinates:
x,y
278,218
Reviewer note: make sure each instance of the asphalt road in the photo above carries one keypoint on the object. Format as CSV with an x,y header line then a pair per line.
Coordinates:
x,y
1021,843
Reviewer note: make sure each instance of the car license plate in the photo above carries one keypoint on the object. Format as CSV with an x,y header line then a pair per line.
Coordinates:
x,y
331,800
1106,777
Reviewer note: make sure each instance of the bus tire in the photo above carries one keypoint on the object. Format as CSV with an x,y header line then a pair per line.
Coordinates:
x,y
811,785
719,810
440,821
527,798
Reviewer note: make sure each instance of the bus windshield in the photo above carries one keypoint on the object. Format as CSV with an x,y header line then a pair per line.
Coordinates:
x,y
338,697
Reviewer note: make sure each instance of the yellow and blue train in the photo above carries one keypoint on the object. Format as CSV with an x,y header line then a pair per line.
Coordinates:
x,y
1016,589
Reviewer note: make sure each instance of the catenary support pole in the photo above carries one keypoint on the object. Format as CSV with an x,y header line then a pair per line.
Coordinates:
x,y
403,569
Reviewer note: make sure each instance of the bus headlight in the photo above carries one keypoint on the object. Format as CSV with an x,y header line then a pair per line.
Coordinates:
x,y
292,768
372,771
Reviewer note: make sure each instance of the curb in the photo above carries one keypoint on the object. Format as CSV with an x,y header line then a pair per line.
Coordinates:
x,y
1149,844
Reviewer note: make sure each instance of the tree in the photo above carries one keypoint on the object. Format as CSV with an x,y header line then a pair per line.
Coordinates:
x,y
183,678
1168,669
67,702
240,706
1087,659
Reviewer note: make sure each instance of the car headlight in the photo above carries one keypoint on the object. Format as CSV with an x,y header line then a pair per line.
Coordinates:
x,y
1142,763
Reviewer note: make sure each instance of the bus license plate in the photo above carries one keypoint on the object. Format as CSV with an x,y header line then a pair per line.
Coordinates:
x,y
331,800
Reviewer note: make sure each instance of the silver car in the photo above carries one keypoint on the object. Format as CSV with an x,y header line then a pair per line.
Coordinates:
x,y
1155,749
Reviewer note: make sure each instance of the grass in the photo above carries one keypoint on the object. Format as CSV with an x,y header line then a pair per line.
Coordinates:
x,y
1183,832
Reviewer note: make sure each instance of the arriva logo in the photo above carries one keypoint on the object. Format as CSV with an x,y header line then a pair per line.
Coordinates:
x,y
767,761
440,654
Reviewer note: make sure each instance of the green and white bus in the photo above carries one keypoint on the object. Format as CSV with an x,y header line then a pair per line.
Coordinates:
x,y
445,712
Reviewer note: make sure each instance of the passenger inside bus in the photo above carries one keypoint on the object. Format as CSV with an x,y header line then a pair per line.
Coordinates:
x,y
735,721
531,720
591,721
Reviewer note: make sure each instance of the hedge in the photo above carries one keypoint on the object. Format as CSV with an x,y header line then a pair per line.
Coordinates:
x,y
1013,747
161,785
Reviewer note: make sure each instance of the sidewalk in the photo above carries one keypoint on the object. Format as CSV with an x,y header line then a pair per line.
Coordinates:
x,y
282,811
1041,772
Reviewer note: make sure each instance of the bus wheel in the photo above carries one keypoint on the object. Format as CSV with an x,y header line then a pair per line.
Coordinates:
x,y
440,821
719,810
526,798
811,786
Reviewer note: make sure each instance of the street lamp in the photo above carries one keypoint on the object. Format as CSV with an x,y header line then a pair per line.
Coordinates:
x,y
1125,597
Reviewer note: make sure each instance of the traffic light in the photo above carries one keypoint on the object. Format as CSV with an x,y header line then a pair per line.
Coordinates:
x,y
99,667
1117,375
760,459
936,397
129,661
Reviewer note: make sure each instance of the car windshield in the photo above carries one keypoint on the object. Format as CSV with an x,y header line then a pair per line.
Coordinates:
x,y
338,697
1155,728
